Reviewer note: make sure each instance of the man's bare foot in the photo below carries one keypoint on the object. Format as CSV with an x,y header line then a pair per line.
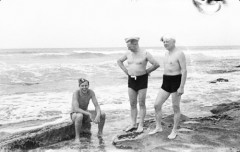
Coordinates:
x,y
131,128
172,135
156,130
139,129
77,141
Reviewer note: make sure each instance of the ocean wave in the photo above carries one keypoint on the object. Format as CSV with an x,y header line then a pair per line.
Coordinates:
x,y
76,54
214,53
88,55
200,57
108,52
61,53
37,73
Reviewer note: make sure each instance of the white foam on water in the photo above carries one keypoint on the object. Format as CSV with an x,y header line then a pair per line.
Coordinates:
x,y
110,85
100,51
33,106
51,54
214,53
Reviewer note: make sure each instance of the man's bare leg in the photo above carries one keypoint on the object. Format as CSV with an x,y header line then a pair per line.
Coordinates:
x,y
142,112
133,103
161,98
77,119
101,124
176,108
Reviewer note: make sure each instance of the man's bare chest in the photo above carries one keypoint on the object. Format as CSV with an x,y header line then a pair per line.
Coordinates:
x,y
171,60
137,59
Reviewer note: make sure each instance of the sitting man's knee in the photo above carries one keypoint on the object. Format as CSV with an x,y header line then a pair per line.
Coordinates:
x,y
79,117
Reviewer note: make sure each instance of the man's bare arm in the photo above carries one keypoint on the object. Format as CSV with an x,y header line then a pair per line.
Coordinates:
x,y
75,105
121,65
97,107
182,62
95,103
154,63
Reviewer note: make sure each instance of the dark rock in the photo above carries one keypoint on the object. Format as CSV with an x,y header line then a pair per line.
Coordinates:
x,y
219,80
221,130
133,140
42,136
237,66
221,108
222,80
29,84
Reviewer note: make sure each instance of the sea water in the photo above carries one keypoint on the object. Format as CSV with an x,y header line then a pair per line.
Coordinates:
x,y
36,85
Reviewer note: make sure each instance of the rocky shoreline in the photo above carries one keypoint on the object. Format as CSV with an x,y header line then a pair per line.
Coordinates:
x,y
219,132
41,137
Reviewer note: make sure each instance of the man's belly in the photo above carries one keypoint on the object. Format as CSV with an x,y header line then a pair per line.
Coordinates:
x,y
172,70
136,70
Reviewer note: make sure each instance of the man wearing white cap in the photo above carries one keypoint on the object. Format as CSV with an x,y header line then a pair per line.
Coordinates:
x,y
174,78
137,73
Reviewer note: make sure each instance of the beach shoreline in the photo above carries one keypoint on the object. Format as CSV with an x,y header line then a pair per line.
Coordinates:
x,y
218,132
36,88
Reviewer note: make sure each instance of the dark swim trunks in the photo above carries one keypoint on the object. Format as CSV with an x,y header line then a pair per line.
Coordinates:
x,y
138,82
85,118
171,83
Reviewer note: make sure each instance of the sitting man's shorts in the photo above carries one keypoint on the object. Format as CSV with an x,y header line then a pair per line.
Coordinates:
x,y
171,83
138,82
86,118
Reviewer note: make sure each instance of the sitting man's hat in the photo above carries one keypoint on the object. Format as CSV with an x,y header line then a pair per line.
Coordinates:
x,y
131,38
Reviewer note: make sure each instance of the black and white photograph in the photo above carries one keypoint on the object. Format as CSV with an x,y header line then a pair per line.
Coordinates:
x,y
120,75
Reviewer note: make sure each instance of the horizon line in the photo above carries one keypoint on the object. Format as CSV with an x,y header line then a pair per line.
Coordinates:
x,y
213,46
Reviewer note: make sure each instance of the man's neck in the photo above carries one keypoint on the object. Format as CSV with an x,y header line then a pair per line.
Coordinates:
x,y
135,51
172,49
83,93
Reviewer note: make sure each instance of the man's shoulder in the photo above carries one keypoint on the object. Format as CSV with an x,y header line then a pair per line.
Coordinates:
x,y
76,92
147,52
180,52
144,52
91,92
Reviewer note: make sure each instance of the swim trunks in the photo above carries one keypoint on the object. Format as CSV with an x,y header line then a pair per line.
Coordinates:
x,y
171,83
86,118
138,82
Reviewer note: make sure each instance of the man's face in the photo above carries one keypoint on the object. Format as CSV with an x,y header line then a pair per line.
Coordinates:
x,y
168,43
84,87
132,45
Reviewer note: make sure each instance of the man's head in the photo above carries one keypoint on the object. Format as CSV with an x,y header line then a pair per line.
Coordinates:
x,y
168,42
132,43
83,85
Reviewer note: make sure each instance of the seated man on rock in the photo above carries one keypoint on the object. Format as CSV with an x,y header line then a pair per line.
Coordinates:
x,y
80,113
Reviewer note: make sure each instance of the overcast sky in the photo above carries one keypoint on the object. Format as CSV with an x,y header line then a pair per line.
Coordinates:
x,y
105,23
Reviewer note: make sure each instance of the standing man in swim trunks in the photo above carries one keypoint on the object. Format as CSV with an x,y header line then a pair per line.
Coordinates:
x,y
174,78
137,73
80,113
